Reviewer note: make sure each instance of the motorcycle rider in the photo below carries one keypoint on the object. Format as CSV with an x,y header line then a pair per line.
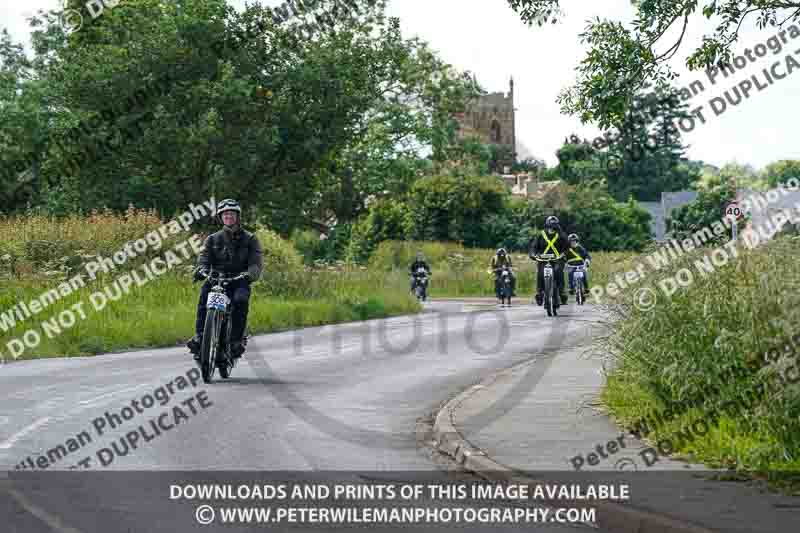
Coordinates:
x,y
551,241
576,255
229,251
419,263
500,259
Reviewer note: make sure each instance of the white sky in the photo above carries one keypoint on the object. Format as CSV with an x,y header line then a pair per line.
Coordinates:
x,y
487,38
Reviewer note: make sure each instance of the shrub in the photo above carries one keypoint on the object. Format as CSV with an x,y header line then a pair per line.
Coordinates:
x,y
387,219
706,209
279,254
308,244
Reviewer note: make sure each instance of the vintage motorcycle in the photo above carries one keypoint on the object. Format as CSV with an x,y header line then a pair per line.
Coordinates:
x,y
215,350
421,284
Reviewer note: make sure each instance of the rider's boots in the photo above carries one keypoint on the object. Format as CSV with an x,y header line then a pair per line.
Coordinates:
x,y
194,346
237,349
539,298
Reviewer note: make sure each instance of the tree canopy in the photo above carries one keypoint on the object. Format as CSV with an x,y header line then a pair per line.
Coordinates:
x,y
305,112
622,60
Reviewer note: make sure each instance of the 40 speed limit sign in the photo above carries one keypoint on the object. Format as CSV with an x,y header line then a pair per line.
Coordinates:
x,y
733,210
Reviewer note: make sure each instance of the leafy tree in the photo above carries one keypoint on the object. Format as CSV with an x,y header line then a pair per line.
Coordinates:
x,y
731,176
704,212
300,117
579,162
643,157
450,208
386,220
25,126
707,210
781,171
601,221
411,116
590,211
605,224
530,165
647,156
621,61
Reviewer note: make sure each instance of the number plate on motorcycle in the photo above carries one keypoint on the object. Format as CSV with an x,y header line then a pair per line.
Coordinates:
x,y
217,300
578,274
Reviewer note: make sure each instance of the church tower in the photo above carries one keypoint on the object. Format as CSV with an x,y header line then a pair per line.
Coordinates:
x,y
491,118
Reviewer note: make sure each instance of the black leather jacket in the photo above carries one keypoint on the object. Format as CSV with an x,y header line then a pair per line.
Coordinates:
x,y
232,253
419,264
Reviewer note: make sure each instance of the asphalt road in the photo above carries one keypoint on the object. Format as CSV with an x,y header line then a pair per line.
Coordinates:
x,y
338,398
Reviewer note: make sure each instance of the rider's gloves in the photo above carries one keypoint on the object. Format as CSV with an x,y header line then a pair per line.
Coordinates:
x,y
246,276
200,273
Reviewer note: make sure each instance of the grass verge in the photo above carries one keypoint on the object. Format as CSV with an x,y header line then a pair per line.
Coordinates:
x,y
162,313
720,358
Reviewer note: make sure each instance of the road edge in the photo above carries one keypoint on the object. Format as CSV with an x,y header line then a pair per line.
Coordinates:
x,y
448,440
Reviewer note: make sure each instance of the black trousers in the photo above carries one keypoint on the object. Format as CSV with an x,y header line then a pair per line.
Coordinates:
x,y
239,293
497,283
558,273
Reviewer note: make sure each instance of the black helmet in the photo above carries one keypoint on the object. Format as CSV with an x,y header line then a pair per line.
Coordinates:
x,y
573,237
501,251
551,223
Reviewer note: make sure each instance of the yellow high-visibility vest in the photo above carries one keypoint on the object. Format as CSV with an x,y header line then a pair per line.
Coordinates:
x,y
551,243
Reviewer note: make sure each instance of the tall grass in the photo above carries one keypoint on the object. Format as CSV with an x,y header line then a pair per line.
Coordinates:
x,y
162,312
43,252
704,347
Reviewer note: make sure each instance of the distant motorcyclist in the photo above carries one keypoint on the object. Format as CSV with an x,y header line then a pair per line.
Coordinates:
x,y
230,251
416,265
577,255
550,241
500,259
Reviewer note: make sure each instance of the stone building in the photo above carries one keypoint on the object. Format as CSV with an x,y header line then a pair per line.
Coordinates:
x,y
491,118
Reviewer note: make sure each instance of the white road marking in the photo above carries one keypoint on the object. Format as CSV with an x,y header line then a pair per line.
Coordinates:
x,y
111,394
18,435
53,521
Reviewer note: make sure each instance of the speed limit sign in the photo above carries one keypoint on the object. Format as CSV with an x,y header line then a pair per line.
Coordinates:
x,y
733,210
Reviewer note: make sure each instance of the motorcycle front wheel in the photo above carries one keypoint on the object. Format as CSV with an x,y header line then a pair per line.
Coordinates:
x,y
548,296
208,350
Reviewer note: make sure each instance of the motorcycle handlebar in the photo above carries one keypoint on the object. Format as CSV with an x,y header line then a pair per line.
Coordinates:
x,y
216,276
